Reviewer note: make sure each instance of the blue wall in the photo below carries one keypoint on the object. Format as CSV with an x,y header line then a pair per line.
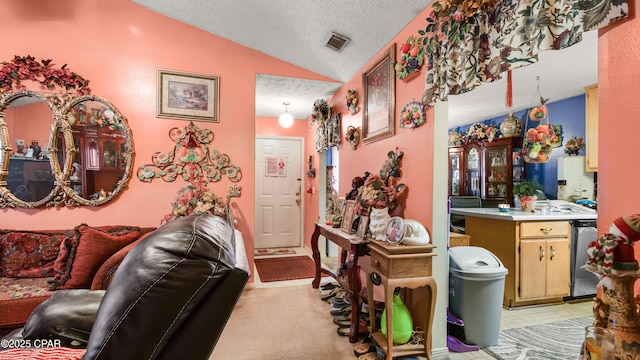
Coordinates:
x,y
570,113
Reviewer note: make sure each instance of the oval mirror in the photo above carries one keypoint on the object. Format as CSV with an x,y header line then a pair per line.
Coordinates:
x,y
62,149
30,179
98,165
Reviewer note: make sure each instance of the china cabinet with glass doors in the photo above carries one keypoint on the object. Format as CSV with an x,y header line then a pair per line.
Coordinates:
x,y
486,169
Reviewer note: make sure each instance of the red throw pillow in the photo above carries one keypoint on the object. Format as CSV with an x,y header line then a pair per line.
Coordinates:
x,y
27,254
91,247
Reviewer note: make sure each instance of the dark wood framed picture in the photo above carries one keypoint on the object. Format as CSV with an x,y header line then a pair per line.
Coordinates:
x,y
361,233
189,96
379,98
348,215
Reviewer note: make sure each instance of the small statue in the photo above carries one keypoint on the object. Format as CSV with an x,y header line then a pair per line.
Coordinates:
x,y
20,146
356,183
36,149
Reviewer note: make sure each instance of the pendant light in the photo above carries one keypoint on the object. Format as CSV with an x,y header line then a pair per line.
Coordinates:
x,y
285,120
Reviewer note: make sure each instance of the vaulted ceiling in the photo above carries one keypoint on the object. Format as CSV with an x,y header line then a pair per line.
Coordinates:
x,y
297,31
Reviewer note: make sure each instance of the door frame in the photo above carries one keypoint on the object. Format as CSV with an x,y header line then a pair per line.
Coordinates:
x,y
302,188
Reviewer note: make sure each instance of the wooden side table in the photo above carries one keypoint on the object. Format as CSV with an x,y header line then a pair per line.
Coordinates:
x,y
409,267
356,248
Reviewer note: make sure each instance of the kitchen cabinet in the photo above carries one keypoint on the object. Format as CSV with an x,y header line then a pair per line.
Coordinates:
x,y
545,258
591,128
456,179
535,252
486,169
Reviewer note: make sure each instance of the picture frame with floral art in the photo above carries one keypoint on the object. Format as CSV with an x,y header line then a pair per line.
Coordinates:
x,y
348,215
363,225
378,108
188,96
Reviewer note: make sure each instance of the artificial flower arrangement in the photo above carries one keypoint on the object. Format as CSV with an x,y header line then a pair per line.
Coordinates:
x,y
352,101
574,145
382,190
481,131
196,198
412,115
411,59
375,194
23,68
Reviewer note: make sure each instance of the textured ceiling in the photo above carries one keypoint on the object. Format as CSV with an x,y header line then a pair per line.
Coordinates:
x,y
296,31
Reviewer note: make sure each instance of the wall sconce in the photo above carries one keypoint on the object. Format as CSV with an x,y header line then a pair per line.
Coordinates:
x,y
285,120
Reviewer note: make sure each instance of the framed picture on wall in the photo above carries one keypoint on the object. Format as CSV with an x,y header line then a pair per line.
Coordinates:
x,y
379,98
189,96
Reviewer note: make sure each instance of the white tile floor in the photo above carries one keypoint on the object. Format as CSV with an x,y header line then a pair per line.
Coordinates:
x,y
514,318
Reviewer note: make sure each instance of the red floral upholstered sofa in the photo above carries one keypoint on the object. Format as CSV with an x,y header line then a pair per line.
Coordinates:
x,y
34,264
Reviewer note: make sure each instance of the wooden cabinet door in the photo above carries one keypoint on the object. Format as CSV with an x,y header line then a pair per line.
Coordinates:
x,y
533,267
591,128
558,267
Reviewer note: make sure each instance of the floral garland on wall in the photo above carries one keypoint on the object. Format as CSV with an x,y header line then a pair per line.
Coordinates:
x,y
469,42
27,68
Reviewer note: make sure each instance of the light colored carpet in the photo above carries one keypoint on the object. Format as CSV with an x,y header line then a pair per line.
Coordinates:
x,y
282,323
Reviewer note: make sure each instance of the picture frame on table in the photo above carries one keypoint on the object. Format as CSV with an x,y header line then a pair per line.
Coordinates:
x,y
348,215
363,225
395,230
379,98
188,96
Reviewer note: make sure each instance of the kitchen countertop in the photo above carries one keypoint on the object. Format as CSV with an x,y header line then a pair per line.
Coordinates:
x,y
545,210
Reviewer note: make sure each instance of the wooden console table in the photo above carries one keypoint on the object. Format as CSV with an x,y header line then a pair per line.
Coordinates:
x,y
355,249
409,267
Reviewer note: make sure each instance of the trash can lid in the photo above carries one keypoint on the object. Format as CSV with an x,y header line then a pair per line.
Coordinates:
x,y
475,262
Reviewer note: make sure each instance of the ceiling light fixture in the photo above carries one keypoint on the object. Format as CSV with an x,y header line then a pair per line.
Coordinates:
x,y
285,120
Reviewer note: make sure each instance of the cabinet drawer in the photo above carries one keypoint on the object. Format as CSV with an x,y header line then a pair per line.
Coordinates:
x,y
544,229
401,266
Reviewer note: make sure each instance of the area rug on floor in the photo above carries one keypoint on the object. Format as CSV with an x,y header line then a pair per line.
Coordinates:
x,y
274,251
285,268
558,340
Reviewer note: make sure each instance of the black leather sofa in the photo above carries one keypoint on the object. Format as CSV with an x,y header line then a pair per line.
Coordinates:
x,y
170,298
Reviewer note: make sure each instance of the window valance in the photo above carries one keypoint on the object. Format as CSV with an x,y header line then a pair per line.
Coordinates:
x,y
469,42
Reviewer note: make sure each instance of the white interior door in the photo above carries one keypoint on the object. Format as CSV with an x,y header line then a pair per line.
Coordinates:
x,y
278,192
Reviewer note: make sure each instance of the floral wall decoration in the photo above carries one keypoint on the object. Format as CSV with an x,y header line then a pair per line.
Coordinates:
x,y
352,101
320,116
352,136
468,42
27,68
190,159
412,115
411,58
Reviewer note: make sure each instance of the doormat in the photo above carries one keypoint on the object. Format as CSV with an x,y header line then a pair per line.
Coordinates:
x,y
274,251
285,268
559,340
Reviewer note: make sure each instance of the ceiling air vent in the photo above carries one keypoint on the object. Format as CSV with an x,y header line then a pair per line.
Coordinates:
x,y
337,42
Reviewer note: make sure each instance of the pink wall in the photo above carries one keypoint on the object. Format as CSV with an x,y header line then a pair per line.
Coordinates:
x,y
269,126
618,127
118,46
417,144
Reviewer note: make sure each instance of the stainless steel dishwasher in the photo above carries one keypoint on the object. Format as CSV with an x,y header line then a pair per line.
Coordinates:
x,y
583,282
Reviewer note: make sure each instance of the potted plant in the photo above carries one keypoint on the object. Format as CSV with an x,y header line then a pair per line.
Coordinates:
x,y
526,192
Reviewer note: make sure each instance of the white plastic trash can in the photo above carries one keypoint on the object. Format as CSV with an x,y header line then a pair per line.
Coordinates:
x,y
476,288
